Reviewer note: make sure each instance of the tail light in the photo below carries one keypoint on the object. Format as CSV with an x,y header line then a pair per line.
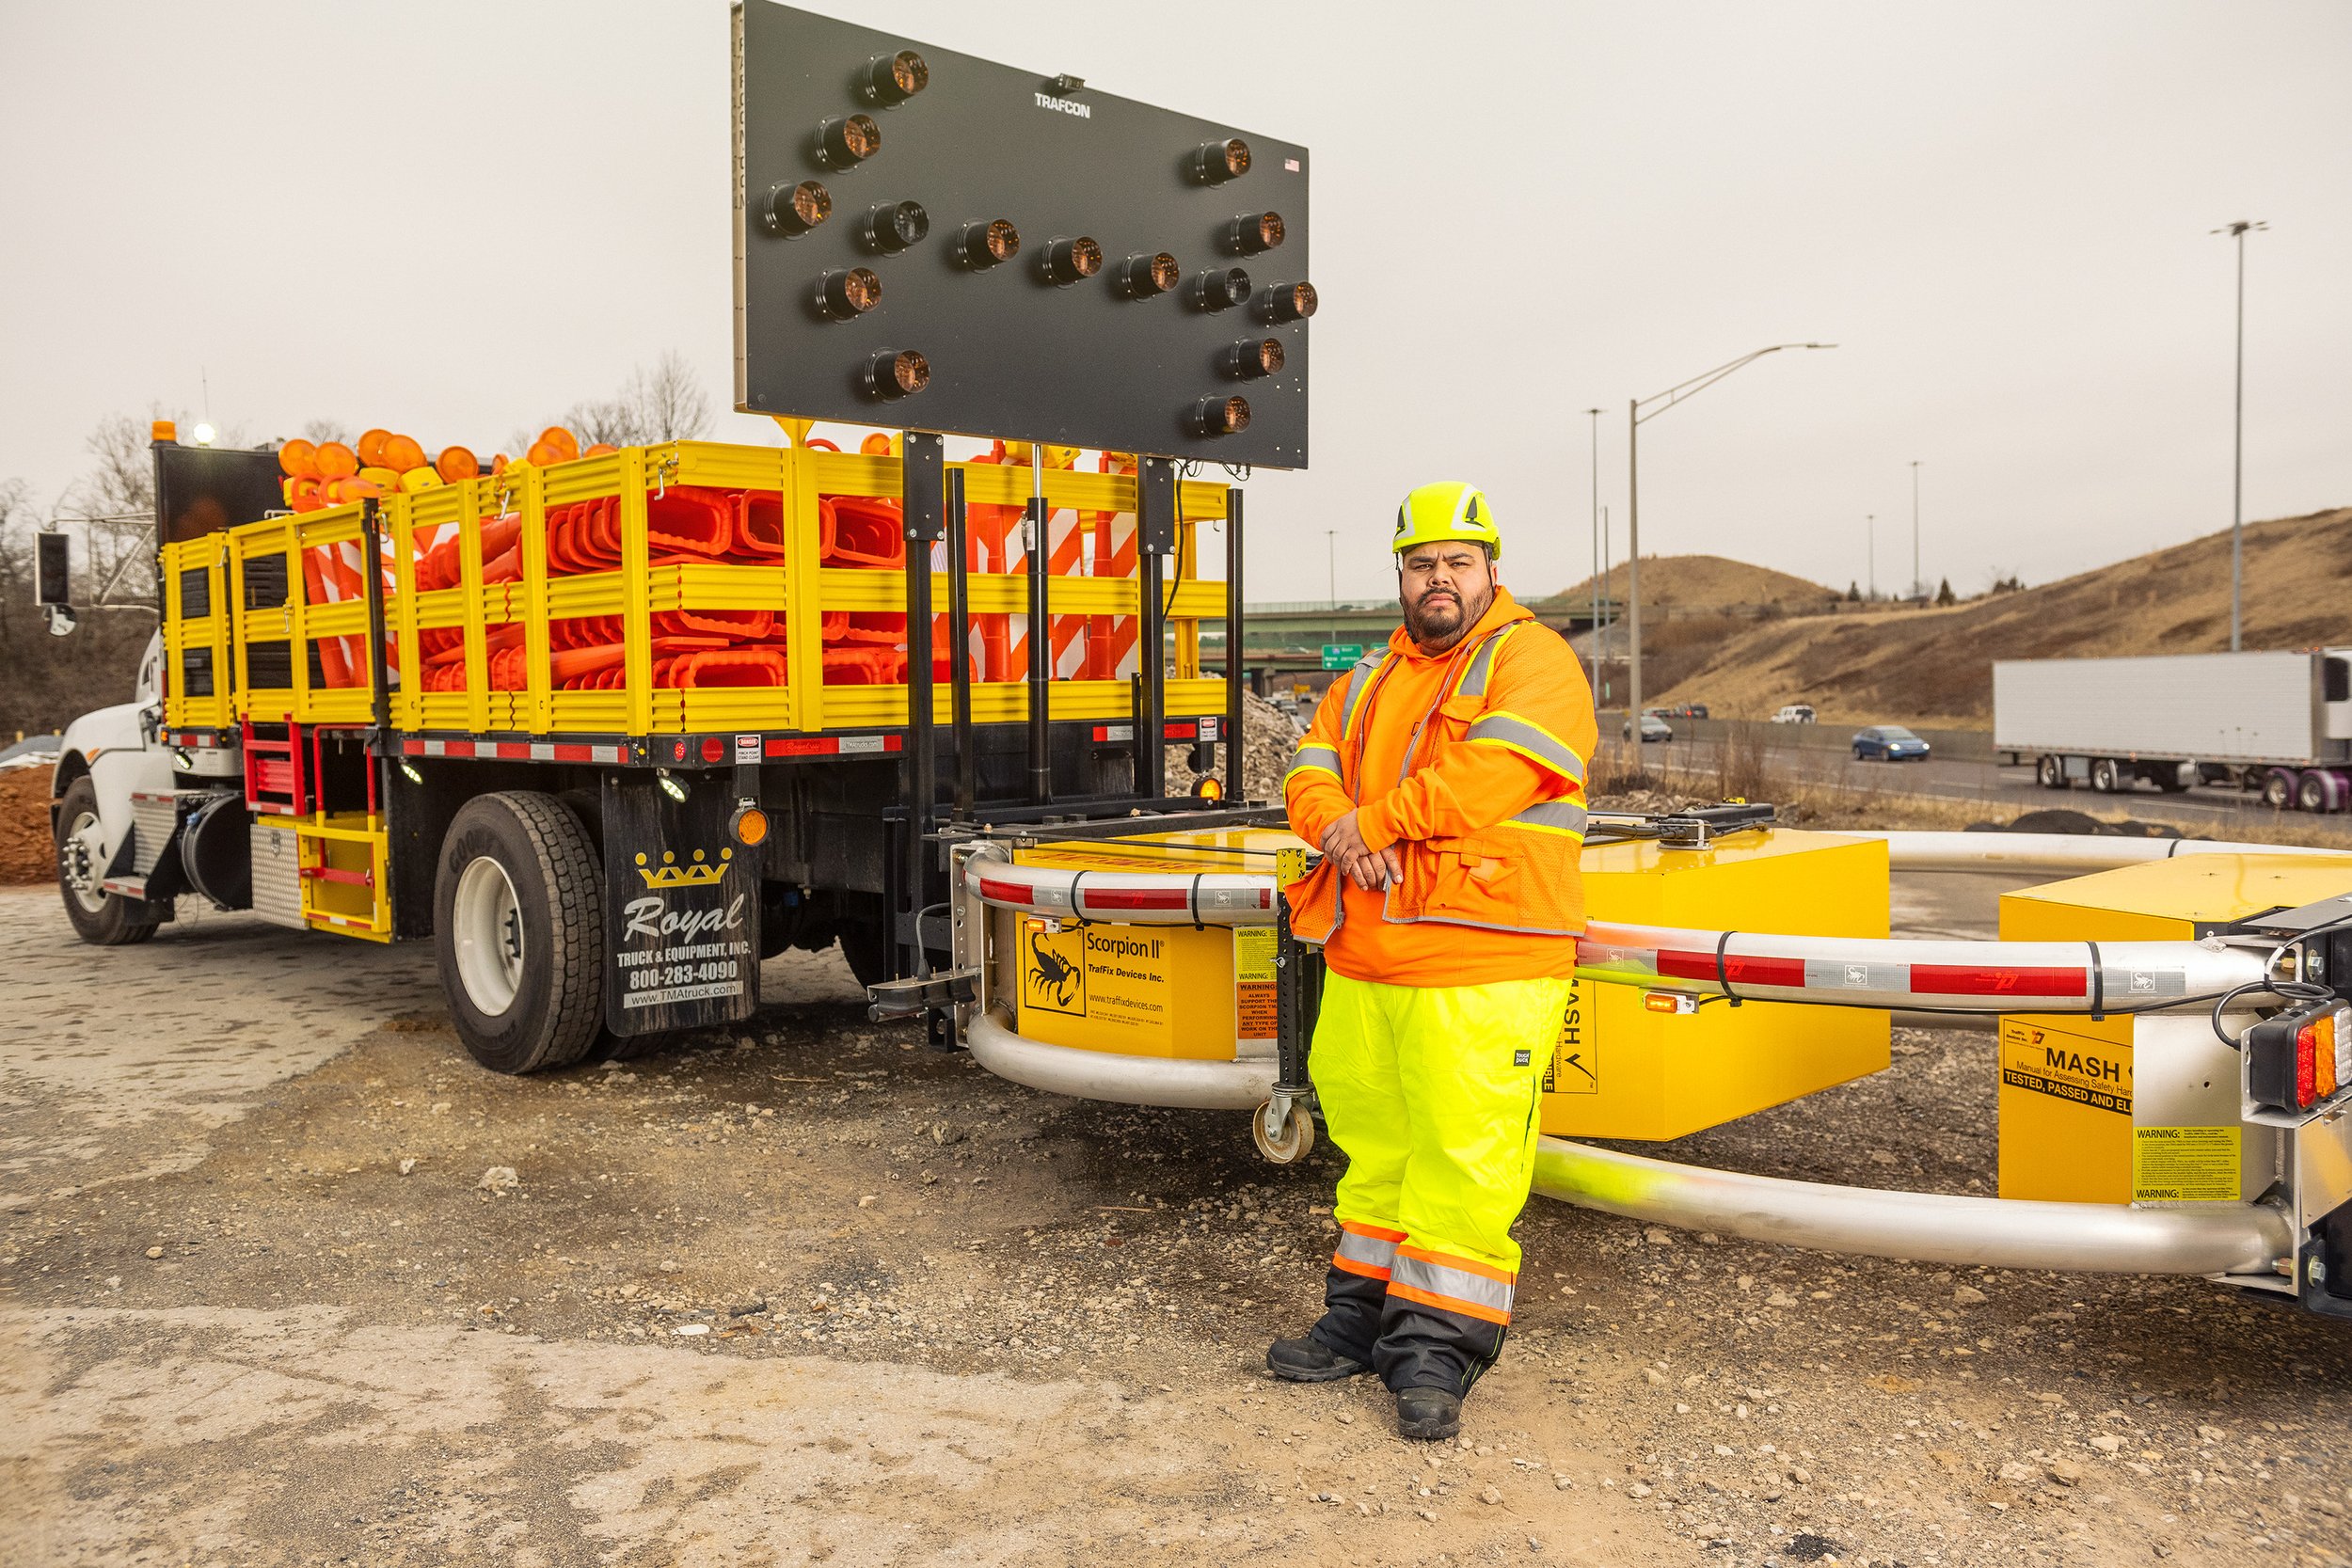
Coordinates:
x,y
846,294
798,209
1254,232
1224,416
848,140
2294,1060
1287,302
984,245
1214,163
1218,289
1141,276
1067,261
893,226
894,78
896,373
1252,358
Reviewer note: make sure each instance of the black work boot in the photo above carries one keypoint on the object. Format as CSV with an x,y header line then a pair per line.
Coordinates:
x,y
1308,1359
1427,1414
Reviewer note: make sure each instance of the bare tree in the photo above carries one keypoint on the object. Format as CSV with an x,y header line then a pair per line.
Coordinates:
x,y
664,402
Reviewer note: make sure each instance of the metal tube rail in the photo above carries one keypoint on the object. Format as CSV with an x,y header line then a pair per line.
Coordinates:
x,y
1129,897
1184,1083
2007,1233
2067,852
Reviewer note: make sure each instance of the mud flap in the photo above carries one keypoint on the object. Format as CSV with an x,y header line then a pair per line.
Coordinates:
x,y
681,908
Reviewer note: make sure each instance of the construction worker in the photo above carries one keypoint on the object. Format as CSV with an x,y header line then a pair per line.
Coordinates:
x,y
1444,782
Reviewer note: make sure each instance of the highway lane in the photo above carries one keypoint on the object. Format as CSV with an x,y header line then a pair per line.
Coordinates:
x,y
2005,791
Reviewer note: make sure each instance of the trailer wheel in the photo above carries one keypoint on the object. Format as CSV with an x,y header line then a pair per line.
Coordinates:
x,y
2312,792
518,931
101,918
2051,772
2106,776
2278,789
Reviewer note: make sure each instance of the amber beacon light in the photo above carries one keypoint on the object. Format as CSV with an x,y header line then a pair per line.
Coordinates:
x,y
798,209
1252,358
1253,233
1141,276
896,373
848,140
846,294
1216,162
1287,302
1068,260
1220,415
894,78
984,245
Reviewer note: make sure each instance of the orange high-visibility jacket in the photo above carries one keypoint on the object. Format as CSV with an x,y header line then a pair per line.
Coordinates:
x,y
1472,764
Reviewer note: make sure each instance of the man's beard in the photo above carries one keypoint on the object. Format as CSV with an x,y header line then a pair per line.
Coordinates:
x,y
1436,621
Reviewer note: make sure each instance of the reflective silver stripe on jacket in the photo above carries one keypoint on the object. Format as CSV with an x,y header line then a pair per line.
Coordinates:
x,y
1455,1284
1482,662
1530,740
1558,816
1372,1252
1358,684
1313,755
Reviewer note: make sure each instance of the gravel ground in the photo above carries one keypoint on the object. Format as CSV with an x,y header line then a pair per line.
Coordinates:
x,y
295,1283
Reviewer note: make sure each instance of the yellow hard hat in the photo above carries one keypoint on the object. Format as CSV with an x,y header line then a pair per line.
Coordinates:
x,y
1449,509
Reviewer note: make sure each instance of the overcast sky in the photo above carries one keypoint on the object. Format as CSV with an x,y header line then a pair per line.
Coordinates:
x,y
457,218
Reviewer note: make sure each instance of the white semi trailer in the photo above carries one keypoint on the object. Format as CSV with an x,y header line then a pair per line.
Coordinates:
x,y
2276,722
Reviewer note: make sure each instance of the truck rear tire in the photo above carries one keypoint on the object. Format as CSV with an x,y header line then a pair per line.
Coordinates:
x,y
2051,772
2279,789
2106,776
518,931
101,918
2311,793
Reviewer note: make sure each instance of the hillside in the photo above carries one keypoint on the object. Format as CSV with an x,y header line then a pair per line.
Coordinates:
x,y
1706,579
1935,666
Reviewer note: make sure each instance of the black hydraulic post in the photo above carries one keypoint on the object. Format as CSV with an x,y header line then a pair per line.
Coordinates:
x,y
1040,662
922,473
379,665
959,642
1155,540
1236,749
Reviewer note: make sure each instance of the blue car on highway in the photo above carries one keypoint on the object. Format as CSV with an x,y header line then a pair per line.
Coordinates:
x,y
1888,743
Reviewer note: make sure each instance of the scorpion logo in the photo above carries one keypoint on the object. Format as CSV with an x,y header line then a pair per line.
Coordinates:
x,y
1054,976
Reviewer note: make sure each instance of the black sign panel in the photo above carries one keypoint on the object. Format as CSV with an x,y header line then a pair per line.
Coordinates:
x,y
925,240
202,490
681,911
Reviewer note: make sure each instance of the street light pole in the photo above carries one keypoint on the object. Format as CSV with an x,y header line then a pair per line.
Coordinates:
x,y
1871,531
1634,421
2238,231
1332,543
1919,583
1595,628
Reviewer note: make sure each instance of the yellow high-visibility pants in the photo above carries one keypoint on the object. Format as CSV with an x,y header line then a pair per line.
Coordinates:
x,y
1430,1091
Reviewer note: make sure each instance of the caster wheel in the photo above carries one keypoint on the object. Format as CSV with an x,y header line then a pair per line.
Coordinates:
x,y
1296,1140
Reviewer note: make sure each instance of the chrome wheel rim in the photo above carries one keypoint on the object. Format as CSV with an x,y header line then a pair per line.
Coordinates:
x,y
80,852
488,924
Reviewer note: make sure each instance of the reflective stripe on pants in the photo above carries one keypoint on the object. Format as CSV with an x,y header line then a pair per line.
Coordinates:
x,y
1424,1090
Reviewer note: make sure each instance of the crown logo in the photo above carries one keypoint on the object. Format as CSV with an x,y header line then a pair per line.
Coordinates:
x,y
669,874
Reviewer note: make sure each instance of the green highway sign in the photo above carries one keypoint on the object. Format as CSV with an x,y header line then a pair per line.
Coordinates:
x,y
1342,655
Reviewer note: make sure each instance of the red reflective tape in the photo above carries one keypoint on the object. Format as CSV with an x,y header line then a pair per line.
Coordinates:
x,y
1973,980
1785,973
458,749
413,748
573,754
795,746
1135,898
514,749
894,743
1004,893
1185,731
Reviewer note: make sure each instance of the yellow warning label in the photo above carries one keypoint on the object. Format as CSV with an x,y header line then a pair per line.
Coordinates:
x,y
1115,977
1576,1058
1053,968
2065,1066
2185,1165
1254,1016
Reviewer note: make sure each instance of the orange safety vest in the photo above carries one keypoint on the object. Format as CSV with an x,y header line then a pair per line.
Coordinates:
x,y
1497,731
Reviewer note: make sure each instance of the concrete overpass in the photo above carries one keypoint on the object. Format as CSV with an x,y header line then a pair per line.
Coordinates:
x,y
1287,638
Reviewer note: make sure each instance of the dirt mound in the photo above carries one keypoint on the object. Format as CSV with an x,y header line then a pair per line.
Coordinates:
x,y
1707,580
1268,738
27,854
1935,666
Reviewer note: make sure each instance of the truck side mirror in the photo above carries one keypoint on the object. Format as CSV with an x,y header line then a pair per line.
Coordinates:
x,y
52,583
